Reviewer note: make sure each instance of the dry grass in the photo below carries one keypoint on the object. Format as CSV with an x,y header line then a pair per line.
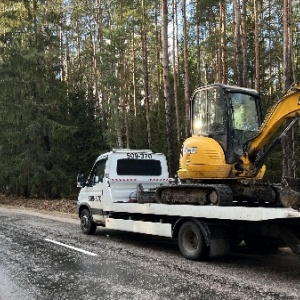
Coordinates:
x,y
62,205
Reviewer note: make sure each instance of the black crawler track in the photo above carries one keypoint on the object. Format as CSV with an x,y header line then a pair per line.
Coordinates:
x,y
231,194
195,194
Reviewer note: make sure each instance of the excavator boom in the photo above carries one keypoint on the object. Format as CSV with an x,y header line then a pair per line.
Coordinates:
x,y
287,107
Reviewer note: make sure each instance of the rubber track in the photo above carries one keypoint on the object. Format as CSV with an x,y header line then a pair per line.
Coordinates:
x,y
224,192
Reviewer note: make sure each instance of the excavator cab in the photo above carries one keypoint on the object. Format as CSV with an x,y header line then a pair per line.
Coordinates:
x,y
229,115
223,119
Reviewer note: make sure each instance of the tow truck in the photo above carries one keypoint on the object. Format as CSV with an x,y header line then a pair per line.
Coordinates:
x,y
120,193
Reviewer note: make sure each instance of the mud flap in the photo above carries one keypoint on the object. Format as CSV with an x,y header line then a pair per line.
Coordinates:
x,y
290,192
216,238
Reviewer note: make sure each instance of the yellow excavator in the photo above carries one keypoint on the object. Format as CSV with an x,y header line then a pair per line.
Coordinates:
x,y
223,161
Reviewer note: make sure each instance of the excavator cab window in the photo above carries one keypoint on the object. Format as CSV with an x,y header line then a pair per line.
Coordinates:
x,y
244,112
245,119
229,115
208,115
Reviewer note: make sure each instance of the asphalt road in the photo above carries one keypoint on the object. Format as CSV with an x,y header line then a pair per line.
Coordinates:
x,y
47,257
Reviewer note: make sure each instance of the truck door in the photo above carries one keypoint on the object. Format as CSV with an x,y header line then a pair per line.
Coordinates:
x,y
93,192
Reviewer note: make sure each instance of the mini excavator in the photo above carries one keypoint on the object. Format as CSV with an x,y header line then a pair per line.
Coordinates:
x,y
223,162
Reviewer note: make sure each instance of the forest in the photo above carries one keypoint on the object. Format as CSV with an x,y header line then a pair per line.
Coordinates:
x,y
81,77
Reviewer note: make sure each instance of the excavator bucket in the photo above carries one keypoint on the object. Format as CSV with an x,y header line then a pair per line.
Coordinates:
x,y
290,192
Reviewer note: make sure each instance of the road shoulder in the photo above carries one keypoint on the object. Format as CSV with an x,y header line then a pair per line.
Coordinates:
x,y
52,215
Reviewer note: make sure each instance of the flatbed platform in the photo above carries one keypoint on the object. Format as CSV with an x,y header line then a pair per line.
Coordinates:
x,y
237,213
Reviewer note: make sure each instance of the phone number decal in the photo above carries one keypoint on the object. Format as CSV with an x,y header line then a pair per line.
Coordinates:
x,y
139,155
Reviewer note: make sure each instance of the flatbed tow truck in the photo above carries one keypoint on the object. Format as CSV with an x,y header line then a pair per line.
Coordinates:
x,y
120,193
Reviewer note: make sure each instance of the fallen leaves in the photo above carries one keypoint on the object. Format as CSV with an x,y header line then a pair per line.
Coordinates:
x,y
61,205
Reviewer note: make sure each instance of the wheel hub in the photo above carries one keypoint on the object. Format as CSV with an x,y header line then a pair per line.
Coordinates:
x,y
84,221
191,241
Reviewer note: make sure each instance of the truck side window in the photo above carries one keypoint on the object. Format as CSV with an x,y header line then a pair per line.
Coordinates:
x,y
97,173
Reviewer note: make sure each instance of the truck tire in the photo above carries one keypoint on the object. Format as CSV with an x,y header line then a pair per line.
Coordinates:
x,y
86,223
191,241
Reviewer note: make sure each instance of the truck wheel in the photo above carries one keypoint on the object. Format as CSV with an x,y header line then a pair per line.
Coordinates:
x,y
86,223
191,241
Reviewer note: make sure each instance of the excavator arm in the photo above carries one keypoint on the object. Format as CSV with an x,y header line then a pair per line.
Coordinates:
x,y
285,108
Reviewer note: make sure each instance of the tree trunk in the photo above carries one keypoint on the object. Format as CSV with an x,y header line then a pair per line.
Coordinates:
x,y
158,69
199,62
256,9
244,45
134,87
175,68
186,72
237,42
123,101
222,60
166,80
289,76
145,74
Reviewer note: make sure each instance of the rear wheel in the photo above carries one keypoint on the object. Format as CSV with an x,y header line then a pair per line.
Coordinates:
x,y
191,241
86,223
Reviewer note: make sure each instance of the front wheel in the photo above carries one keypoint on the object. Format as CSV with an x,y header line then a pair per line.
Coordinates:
x,y
191,241
86,223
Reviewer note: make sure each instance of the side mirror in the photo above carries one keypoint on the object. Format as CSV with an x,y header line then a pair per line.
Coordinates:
x,y
81,180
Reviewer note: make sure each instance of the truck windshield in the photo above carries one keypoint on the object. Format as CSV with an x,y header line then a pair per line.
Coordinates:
x,y
143,167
